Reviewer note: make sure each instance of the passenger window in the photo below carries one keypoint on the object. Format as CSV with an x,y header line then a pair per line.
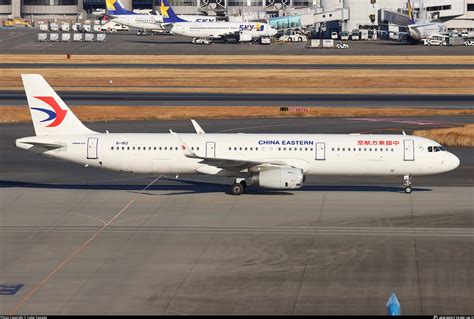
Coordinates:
x,y
430,149
365,149
348,149
139,148
240,148
176,148
305,148
128,148
338,149
256,148
375,149
133,148
165,148
197,148
251,148
245,148
112,148
154,148
123,148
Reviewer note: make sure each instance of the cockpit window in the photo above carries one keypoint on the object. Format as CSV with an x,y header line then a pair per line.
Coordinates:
x,y
436,149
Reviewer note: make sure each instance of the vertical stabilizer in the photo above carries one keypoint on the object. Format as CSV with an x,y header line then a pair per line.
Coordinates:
x,y
169,16
115,7
50,115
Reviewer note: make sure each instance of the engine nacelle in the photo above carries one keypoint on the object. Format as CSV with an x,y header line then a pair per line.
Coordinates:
x,y
279,178
245,37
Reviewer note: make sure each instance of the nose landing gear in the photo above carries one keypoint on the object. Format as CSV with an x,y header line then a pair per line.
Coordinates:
x,y
407,179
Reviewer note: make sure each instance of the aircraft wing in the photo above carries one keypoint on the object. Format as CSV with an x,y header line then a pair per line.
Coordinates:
x,y
226,163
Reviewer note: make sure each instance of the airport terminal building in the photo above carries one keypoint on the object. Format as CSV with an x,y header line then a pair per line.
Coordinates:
x,y
338,15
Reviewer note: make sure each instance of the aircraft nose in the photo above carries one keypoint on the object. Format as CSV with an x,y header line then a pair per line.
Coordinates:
x,y
454,161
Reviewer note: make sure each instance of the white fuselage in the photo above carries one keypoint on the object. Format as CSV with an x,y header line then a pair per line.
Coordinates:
x,y
315,154
222,29
419,31
154,22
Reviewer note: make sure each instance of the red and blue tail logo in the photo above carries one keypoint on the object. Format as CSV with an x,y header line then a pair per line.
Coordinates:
x,y
58,114
168,14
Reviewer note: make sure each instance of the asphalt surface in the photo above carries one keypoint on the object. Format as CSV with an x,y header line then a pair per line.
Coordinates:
x,y
233,66
87,241
19,40
18,97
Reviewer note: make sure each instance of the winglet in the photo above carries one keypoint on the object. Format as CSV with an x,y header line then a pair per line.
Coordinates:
x,y
197,127
184,147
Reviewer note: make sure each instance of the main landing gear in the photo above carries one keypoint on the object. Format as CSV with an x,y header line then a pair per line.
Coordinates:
x,y
238,187
407,183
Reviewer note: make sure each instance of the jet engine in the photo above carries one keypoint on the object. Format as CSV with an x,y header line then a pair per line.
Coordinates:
x,y
279,178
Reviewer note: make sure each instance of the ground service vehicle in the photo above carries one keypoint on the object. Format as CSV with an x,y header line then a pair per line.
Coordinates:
x,y
293,36
355,35
344,35
112,27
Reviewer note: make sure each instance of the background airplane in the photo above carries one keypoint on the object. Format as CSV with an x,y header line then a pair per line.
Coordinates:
x,y
423,29
144,22
242,31
277,161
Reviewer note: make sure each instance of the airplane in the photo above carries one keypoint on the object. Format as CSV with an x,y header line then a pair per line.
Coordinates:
x,y
143,22
422,30
275,161
243,31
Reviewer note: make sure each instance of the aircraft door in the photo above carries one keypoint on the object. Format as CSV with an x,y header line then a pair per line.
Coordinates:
x,y
408,150
210,149
320,151
92,145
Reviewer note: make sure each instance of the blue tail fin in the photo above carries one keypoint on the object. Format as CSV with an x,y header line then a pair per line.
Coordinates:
x,y
114,7
169,16
410,13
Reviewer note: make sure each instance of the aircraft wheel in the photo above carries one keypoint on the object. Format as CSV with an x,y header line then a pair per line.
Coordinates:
x,y
237,189
408,189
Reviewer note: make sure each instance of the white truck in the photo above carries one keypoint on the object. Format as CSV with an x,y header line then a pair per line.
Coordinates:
x,y
355,36
293,36
436,39
112,27
344,35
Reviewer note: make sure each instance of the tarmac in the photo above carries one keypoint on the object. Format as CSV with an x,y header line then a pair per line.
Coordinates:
x,y
21,40
122,98
86,241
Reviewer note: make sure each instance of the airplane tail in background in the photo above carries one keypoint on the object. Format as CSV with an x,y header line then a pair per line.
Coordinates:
x,y
114,7
50,115
410,13
169,16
